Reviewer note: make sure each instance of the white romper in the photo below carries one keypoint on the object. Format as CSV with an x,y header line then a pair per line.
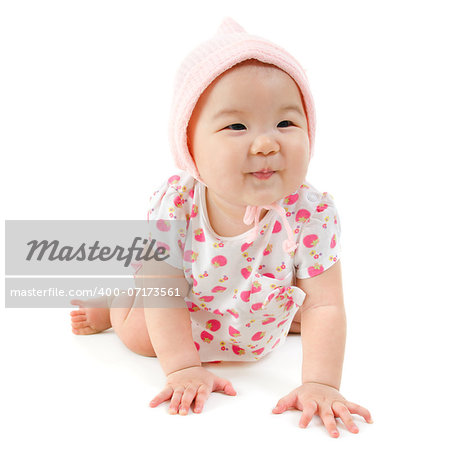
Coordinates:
x,y
242,297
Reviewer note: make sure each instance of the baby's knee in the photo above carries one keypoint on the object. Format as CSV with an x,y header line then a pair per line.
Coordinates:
x,y
123,301
295,328
140,345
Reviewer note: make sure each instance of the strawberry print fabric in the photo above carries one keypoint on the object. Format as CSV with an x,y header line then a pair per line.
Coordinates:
x,y
242,297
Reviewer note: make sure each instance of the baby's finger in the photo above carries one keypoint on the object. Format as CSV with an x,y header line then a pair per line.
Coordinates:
x,y
175,402
286,402
186,400
329,421
221,384
202,395
341,410
357,409
309,409
164,395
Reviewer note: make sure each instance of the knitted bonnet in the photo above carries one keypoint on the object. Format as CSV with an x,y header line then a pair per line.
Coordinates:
x,y
229,46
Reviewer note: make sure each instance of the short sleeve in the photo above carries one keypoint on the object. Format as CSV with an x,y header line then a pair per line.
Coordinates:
x,y
319,241
168,216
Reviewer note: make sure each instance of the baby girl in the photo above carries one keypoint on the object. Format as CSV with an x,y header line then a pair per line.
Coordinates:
x,y
254,248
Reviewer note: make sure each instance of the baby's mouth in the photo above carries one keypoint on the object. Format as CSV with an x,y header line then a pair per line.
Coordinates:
x,y
263,175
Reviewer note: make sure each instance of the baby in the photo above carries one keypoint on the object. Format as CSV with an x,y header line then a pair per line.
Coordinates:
x,y
254,248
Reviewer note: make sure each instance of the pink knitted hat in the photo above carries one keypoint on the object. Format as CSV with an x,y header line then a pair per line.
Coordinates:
x,y
230,45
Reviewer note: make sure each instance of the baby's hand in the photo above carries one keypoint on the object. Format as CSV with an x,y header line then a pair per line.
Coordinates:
x,y
186,384
327,402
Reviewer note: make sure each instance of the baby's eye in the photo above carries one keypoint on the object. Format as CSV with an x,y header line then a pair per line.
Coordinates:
x,y
236,125
288,122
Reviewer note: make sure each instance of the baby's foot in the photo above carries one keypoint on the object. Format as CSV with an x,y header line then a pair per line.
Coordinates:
x,y
88,320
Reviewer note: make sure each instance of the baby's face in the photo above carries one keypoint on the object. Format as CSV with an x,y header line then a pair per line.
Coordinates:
x,y
260,133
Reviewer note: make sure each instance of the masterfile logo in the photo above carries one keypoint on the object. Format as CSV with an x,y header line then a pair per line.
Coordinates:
x,y
49,262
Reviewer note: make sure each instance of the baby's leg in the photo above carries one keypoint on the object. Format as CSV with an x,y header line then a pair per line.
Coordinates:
x,y
122,313
128,320
296,324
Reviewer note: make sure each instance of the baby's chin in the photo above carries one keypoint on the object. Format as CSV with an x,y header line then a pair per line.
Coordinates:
x,y
262,193
264,198
253,192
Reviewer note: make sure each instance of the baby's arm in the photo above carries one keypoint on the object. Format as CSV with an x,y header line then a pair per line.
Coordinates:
x,y
170,333
323,327
166,316
171,336
323,331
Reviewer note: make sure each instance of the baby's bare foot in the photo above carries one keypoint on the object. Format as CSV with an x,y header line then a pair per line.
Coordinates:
x,y
89,320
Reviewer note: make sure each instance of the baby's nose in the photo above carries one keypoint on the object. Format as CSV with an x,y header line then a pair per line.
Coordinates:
x,y
264,144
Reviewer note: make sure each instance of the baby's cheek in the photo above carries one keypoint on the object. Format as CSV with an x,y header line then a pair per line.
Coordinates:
x,y
231,183
226,172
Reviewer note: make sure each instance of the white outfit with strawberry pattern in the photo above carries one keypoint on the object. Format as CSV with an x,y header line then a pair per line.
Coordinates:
x,y
242,297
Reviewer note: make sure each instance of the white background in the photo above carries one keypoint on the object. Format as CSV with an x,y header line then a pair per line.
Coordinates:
x,y
85,89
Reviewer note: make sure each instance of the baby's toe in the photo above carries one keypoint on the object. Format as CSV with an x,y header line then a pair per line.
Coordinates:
x,y
79,324
84,330
80,318
77,303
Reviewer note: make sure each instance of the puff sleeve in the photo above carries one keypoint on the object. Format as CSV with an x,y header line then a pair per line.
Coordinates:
x,y
319,241
168,216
